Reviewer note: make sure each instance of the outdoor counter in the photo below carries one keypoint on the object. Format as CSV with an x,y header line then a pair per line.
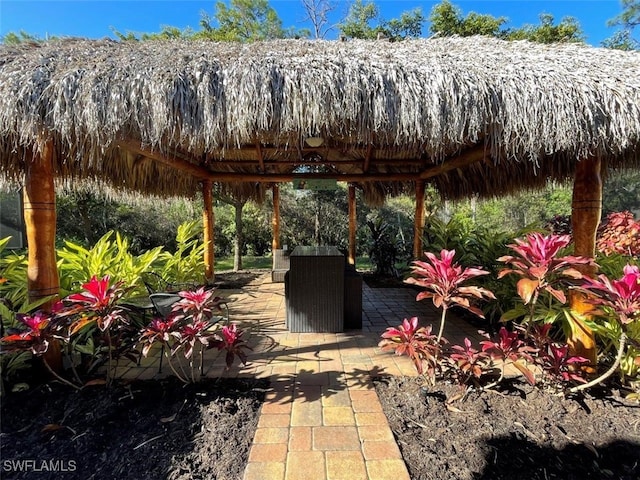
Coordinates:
x,y
315,290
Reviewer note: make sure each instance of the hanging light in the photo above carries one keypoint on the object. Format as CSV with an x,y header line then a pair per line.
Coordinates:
x,y
314,142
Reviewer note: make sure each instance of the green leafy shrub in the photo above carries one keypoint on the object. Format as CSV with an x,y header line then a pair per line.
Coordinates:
x,y
185,265
107,257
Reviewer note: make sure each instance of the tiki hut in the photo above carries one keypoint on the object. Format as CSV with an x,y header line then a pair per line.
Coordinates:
x,y
470,115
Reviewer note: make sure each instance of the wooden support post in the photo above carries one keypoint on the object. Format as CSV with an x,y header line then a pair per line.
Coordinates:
x,y
586,209
40,222
208,224
418,224
351,258
275,218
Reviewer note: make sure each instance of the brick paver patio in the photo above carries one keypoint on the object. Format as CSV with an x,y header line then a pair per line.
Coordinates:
x,y
321,418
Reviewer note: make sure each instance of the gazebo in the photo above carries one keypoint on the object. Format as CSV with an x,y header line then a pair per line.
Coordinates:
x,y
471,115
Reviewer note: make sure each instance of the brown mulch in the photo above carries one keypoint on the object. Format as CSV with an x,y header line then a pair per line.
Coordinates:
x,y
142,430
518,433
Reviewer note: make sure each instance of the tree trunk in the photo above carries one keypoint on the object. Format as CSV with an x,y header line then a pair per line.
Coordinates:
x,y
238,242
586,210
352,225
316,233
418,223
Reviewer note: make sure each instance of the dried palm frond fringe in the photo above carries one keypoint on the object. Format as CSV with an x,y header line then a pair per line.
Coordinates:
x,y
535,109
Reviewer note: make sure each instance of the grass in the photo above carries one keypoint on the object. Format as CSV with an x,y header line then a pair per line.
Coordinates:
x,y
251,262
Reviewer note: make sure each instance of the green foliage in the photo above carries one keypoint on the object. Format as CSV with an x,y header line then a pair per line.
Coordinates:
x,y
627,21
244,21
185,265
13,38
240,21
621,191
568,30
358,23
77,264
384,247
257,230
447,19
363,22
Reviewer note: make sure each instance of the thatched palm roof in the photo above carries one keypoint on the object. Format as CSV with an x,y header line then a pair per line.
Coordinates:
x,y
518,113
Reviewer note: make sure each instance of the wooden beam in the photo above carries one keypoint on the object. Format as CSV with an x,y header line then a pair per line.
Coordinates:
x,y
260,157
208,220
367,159
465,159
179,164
586,209
40,222
352,225
275,218
469,157
418,223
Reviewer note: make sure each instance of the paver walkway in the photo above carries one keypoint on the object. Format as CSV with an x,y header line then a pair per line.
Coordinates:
x,y
321,418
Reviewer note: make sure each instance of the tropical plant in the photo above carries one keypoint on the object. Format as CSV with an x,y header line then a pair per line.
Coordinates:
x,y
539,266
442,280
542,270
107,257
469,364
185,264
619,301
619,234
95,329
418,343
384,247
509,347
190,327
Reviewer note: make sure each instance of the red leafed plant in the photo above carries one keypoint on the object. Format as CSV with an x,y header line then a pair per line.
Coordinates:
x,y
36,337
233,343
620,300
469,363
98,302
192,323
559,366
443,279
416,342
620,234
41,329
510,347
540,267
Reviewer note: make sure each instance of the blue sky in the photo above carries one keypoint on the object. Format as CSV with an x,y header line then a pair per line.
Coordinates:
x,y
94,18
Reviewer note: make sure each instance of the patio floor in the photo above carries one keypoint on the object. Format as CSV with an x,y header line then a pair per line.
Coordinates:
x,y
321,418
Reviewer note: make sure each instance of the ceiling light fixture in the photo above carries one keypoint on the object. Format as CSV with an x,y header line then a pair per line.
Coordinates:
x,y
314,142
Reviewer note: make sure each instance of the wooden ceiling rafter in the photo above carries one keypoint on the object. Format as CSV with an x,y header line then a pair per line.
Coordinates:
x,y
367,159
466,158
260,156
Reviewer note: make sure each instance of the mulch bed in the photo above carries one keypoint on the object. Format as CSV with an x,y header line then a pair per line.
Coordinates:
x,y
518,433
139,430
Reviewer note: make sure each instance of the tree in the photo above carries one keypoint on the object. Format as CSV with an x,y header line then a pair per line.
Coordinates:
x,y
568,30
363,22
318,14
244,21
627,21
447,20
